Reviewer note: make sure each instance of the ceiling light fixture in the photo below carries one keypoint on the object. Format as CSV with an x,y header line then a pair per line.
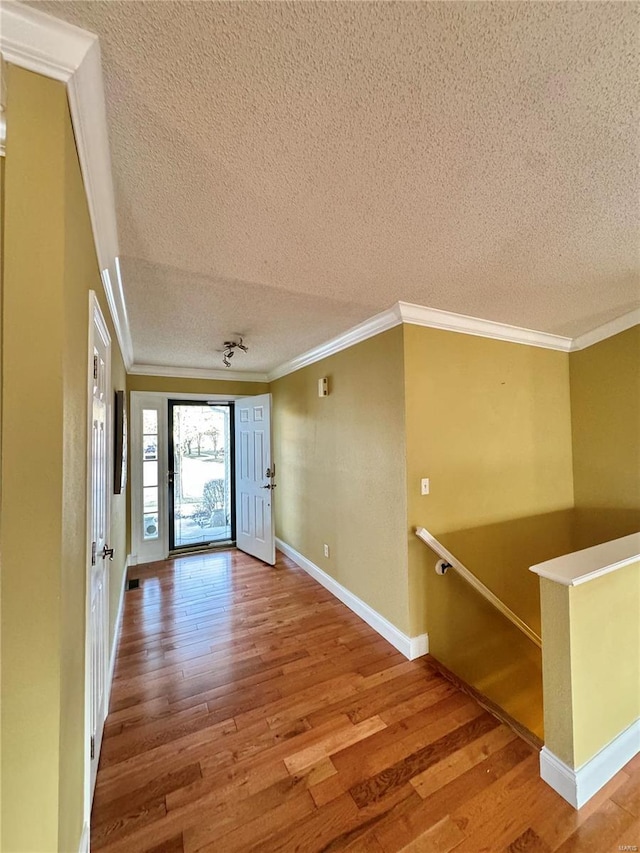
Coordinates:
x,y
229,350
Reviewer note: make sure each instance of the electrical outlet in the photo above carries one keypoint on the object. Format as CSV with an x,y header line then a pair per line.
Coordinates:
x,y
326,550
424,486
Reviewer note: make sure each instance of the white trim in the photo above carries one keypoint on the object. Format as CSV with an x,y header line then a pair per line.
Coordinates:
x,y
38,42
419,315
418,646
117,629
607,330
196,373
582,566
578,786
368,329
83,847
118,311
178,395
89,116
148,550
411,647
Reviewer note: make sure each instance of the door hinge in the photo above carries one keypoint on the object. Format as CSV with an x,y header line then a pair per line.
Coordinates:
x,y
93,747
95,367
93,553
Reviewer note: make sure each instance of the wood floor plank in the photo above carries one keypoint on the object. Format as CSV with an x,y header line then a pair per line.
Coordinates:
x,y
556,825
404,770
405,828
253,834
509,800
252,711
399,741
600,831
627,796
453,765
365,844
309,756
441,838
528,842
172,845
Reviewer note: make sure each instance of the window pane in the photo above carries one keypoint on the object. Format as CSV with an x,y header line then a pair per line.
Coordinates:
x,y
149,474
149,421
150,446
150,525
151,499
201,488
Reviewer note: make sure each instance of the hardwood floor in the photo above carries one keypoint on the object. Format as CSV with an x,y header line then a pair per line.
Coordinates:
x,y
253,711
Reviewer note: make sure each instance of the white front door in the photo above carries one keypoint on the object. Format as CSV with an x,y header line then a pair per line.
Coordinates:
x,y
99,491
255,472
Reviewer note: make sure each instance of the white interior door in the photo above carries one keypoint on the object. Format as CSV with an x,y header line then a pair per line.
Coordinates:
x,y
99,491
255,472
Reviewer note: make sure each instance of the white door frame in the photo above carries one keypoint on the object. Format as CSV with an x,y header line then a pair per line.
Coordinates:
x,y
142,551
96,320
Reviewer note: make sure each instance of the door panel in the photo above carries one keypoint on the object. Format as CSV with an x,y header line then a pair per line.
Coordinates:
x,y
254,486
98,515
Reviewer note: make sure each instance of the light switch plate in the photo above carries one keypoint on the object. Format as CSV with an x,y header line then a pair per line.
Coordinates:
x,y
424,486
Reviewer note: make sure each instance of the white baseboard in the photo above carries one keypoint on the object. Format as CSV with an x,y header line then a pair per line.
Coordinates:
x,y
578,786
116,633
411,647
84,840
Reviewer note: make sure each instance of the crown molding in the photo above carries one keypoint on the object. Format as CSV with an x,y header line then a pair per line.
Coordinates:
x,y
607,330
40,43
196,373
61,51
373,326
418,315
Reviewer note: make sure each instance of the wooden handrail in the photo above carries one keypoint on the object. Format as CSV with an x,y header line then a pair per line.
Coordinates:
x,y
449,561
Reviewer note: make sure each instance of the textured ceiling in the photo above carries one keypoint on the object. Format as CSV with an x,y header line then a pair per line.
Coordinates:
x,y
287,170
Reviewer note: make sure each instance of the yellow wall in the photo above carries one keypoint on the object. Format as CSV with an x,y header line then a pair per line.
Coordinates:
x,y
489,423
341,463
49,266
556,670
591,636
608,658
605,403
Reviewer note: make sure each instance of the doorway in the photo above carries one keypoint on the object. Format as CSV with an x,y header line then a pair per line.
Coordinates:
x,y
201,474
